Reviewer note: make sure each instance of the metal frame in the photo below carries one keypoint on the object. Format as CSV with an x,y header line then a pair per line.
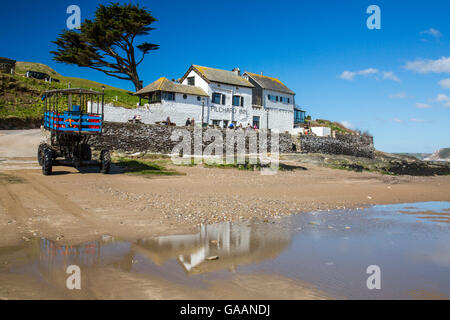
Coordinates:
x,y
72,116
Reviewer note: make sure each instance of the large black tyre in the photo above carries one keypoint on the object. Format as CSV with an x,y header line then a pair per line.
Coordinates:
x,y
47,161
105,161
86,153
40,153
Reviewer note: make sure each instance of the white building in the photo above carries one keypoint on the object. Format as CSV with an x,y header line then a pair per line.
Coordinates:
x,y
273,102
219,97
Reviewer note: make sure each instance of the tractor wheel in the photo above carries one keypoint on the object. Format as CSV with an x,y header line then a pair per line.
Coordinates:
x,y
86,153
105,159
40,153
47,161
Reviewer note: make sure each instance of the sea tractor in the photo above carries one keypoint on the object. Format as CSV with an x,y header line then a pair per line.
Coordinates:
x,y
71,117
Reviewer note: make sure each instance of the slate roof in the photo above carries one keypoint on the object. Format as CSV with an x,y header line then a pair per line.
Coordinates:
x,y
220,76
164,84
269,83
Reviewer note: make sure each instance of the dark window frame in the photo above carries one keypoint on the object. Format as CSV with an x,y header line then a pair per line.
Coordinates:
x,y
237,103
218,96
191,81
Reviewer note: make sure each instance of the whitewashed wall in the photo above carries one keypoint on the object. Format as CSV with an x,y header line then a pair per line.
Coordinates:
x,y
151,113
277,104
277,119
242,115
321,131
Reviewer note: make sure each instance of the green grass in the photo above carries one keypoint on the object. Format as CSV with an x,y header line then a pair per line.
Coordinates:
x,y
335,126
250,166
145,167
20,96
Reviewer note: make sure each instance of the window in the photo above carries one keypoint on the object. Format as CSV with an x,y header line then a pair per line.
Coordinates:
x,y
184,96
237,101
170,96
216,122
276,98
216,97
154,97
289,100
191,81
256,121
198,98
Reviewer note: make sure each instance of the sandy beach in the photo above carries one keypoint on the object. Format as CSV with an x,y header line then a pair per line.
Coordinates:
x,y
71,207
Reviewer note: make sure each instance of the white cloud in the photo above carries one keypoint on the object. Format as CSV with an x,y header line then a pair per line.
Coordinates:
x,y
441,65
399,95
346,124
432,32
417,120
422,106
444,99
350,75
445,83
390,75
397,120
368,71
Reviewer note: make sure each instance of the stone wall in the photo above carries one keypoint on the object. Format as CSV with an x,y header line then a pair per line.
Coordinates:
x,y
352,145
15,123
152,138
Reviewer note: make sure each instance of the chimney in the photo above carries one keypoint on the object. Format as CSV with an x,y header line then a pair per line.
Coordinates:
x,y
237,71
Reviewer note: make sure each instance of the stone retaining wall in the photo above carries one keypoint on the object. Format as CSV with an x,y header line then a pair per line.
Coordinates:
x,y
152,138
352,145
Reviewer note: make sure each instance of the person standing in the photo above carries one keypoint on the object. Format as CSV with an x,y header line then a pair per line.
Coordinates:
x,y
188,122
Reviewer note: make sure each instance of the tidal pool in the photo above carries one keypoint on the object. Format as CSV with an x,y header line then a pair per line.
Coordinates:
x,y
331,250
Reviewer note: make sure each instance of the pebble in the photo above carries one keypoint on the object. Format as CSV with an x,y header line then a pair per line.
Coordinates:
x,y
212,258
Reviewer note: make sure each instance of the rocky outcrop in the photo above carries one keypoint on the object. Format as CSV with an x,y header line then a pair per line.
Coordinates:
x,y
352,145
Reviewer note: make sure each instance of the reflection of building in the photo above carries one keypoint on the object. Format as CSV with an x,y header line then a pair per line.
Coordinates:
x,y
234,244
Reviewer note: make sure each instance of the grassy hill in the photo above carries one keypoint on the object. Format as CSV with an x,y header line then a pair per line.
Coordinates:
x,y
20,96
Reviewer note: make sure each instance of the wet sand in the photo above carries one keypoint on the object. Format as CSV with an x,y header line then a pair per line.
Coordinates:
x,y
71,207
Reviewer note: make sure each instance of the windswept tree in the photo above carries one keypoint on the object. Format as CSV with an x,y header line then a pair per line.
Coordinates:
x,y
107,43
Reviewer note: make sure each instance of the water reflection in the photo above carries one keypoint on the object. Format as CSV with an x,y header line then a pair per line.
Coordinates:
x,y
331,250
233,244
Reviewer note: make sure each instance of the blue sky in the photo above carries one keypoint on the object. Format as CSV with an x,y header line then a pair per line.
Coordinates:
x,y
390,82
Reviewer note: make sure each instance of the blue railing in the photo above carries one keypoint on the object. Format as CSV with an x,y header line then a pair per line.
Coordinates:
x,y
73,122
